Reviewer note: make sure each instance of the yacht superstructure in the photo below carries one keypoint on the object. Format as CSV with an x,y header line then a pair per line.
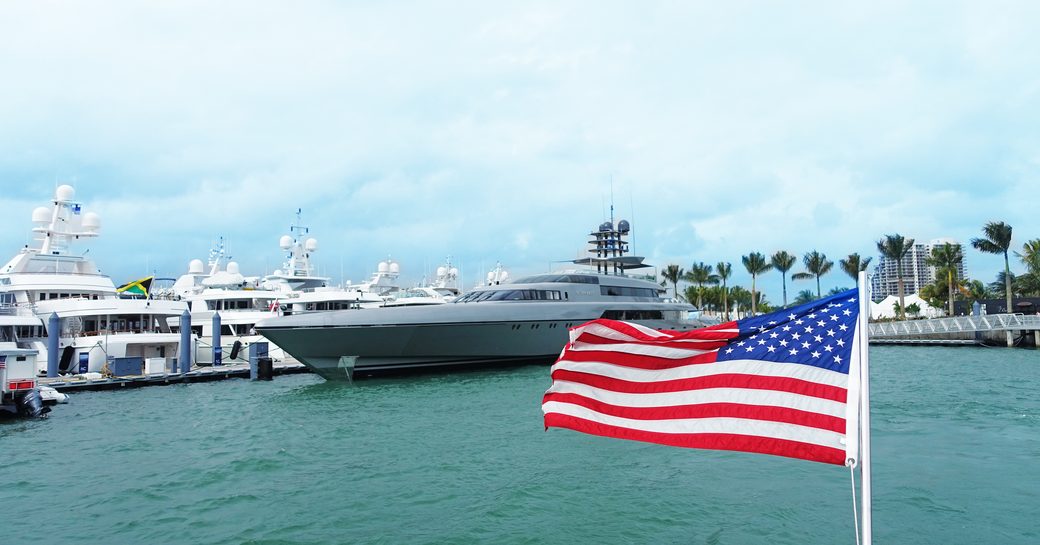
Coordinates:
x,y
46,279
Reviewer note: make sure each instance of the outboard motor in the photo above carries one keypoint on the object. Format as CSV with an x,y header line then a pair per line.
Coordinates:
x,y
31,404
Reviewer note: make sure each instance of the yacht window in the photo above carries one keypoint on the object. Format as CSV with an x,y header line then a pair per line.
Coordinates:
x,y
626,291
632,315
225,329
560,278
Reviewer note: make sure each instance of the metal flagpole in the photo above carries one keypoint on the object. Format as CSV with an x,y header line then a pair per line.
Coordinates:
x,y
864,406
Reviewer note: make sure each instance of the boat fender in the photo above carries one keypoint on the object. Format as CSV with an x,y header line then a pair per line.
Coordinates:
x,y
235,348
31,405
65,364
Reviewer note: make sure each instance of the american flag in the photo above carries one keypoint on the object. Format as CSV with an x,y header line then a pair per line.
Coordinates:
x,y
774,384
3,362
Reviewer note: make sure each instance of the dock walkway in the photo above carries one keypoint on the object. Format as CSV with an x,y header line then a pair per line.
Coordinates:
x,y
955,330
197,374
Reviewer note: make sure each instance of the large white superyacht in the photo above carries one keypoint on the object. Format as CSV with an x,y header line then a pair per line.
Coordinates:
x,y
522,321
46,280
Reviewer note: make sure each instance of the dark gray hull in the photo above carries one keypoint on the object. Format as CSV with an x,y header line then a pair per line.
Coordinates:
x,y
387,340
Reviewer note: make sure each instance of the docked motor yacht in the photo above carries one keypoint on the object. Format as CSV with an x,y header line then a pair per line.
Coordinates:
x,y
522,321
96,325
240,302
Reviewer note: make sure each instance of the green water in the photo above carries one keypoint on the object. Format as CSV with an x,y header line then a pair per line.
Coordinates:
x,y
463,458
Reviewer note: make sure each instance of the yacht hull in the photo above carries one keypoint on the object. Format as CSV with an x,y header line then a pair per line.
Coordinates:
x,y
338,351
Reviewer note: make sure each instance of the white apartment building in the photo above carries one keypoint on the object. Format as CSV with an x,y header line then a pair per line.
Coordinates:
x,y
916,274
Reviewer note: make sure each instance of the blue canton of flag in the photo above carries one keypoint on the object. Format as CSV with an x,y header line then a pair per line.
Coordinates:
x,y
819,334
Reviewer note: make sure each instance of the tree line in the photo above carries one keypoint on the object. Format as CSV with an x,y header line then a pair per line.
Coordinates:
x,y
709,290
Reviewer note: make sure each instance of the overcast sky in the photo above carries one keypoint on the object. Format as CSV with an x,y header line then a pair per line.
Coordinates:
x,y
495,131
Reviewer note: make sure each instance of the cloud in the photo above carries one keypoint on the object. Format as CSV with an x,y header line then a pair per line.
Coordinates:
x,y
493,132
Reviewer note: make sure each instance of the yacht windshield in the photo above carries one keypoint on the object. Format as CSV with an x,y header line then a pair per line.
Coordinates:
x,y
510,295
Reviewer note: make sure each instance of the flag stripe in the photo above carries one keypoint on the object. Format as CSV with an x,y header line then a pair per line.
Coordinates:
x,y
717,441
640,360
750,367
713,395
692,385
705,410
627,332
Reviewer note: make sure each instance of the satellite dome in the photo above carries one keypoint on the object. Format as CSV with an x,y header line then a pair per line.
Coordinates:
x,y
195,266
232,267
441,271
491,277
41,215
623,226
91,222
383,267
285,242
394,267
606,226
453,271
311,245
64,193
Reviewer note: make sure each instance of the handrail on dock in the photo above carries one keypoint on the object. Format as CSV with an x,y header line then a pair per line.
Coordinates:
x,y
956,324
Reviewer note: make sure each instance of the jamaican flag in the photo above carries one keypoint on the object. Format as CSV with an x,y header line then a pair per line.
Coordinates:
x,y
137,288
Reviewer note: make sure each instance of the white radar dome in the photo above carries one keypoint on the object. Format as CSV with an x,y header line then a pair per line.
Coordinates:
x,y
285,242
232,267
453,271
195,266
64,193
441,271
395,268
91,222
42,215
383,267
311,245
491,277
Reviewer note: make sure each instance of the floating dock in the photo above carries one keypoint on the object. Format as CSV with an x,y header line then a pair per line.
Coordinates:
x,y
78,383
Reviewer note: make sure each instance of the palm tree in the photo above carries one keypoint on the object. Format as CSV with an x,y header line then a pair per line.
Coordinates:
x,y
997,241
803,297
945,259
853,265
700,274
723,270
741,297
1030,257
783,261
976,290
816,265
756,264
896,247
673,273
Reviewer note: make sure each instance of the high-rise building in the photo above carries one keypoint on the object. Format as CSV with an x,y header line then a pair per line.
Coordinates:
x,y
916,273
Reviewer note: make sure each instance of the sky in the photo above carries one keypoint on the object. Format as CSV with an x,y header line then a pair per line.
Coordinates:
x,y
502,131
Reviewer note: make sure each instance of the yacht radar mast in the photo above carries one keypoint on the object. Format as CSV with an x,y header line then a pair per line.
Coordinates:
x,y
298,261
58,227
608,248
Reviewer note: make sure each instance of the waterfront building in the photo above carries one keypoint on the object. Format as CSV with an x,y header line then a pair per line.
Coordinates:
x,y
916,273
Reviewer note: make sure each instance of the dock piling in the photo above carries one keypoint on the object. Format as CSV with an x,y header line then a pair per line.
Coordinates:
x,y
185,352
